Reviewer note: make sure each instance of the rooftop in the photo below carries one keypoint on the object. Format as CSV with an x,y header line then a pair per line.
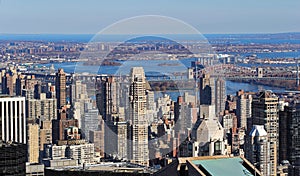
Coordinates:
x,y
223,166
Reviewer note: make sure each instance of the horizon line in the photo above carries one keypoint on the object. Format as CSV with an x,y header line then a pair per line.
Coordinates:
x,y
242,33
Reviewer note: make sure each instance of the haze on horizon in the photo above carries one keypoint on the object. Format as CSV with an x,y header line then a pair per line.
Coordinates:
x,y
90,16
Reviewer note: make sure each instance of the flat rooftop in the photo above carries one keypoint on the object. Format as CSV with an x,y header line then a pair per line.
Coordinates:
x,y
223,166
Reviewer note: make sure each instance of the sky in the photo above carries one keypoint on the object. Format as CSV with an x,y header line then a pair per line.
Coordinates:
x,y
91,16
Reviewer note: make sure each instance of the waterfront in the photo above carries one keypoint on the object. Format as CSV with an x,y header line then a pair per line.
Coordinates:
x,y
231,87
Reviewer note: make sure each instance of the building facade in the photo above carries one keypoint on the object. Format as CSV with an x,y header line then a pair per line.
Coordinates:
x,y
258,149
13,119
12,159
139,124
60,85
265,112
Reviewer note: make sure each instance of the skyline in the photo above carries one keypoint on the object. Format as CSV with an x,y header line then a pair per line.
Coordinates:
x,y
78,17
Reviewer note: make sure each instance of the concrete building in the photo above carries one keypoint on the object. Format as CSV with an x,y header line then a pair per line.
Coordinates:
x,y
108,95
109,168
8,83
90,121
139,124
109,98
258,149
33,143
45,134
60,86
12,158
220,95
212,92
97,138
207,90
76,149
228,120
35,169
265,112
289,130
209,133
60,124
243,108
13,119
84,153
42,108
77,88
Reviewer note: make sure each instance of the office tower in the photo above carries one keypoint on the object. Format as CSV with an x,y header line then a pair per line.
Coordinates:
x,y
258,149
207,90
139,124
42,108
243,108
33,143
220,97
90,121
265,112
12,158
108,94
213,92
289,133
60,86
114,116
13,119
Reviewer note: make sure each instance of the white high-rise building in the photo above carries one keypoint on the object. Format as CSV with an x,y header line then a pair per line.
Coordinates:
x,y
138,110
12,119
258,149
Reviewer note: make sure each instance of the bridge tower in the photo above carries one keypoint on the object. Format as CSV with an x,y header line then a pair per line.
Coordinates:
x,y
259,72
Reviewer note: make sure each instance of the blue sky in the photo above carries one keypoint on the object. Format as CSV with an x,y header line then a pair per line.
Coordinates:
x,y
90,16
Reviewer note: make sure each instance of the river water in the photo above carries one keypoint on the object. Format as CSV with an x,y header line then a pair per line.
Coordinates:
x,y
153,66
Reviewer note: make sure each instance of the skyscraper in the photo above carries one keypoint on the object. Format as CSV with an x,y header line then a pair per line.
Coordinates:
x,y
42,108
139,124
243,108
207,90
289,130
258,148
220,95
108,95
33,143
90,122
212,92
60,88
12,119
116,128
265,112
12,158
